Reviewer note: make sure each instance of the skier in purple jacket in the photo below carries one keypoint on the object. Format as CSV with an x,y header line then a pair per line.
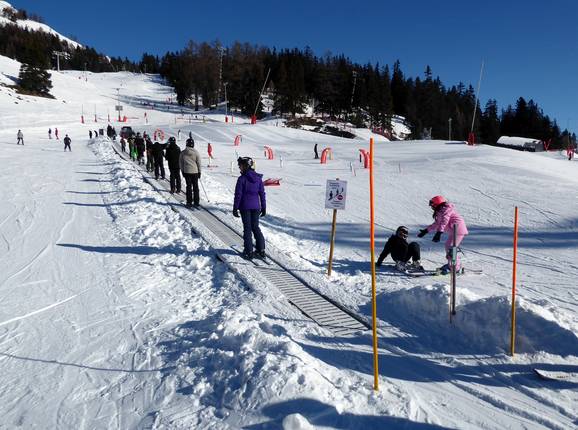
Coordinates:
x,y
250,202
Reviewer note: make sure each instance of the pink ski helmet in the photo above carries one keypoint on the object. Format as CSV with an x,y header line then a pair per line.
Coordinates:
x,y
437,201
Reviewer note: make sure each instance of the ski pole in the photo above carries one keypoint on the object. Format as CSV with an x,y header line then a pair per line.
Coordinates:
x,y
205,191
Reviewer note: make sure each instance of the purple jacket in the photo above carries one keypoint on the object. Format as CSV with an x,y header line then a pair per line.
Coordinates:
x,y
249,191
446,217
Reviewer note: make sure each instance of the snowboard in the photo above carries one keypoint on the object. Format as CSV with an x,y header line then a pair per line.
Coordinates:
x,y
552,375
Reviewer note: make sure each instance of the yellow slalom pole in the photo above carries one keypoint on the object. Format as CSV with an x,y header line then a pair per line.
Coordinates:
x,y
373,292
332,242
514,261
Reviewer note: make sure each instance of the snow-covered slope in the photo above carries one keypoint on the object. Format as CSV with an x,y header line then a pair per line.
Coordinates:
x,y
114,315
33,25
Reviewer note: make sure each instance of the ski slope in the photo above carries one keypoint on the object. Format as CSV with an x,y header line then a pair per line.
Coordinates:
x,y
116,315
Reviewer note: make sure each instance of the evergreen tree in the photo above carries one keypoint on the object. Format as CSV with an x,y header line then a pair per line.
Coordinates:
x,y
490,123
34,80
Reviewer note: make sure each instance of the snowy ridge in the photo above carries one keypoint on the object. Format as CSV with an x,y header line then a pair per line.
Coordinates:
x,y
34,26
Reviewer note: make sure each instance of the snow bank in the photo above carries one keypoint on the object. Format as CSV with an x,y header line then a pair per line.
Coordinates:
x,y
480,326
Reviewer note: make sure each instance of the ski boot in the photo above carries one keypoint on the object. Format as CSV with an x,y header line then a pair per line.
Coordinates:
x,y
415,266
444,270
247,255
401,266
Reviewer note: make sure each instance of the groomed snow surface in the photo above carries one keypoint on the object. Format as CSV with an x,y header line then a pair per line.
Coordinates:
x,y
116,314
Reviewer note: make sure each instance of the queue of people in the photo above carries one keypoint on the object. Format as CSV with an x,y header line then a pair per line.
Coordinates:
x,y
249,202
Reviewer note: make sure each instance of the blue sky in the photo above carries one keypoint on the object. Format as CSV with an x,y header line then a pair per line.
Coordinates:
x,y
529,47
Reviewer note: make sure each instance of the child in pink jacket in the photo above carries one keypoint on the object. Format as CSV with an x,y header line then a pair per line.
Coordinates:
x,y
446,219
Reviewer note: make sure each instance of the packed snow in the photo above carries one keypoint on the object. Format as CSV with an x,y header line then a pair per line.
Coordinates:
x,y
116,313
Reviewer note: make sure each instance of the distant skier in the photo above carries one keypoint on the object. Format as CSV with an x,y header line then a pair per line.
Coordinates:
x,y
19,138
210,150
401,251
50,133
190,164
446,219
56,133
67,142
158,157
250,201
123,144
90,134
179,135
172,154
315,151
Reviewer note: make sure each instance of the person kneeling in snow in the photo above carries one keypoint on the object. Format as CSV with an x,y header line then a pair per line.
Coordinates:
x,y
401,251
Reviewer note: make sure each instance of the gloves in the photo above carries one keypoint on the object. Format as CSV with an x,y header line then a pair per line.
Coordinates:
x,y
422,232
263,212
199,175
437,236
235,213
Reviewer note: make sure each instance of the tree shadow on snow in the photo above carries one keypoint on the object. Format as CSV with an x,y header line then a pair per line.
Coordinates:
x,y
93,173
96,180
84,366
92,192
138,250
321,414
128,202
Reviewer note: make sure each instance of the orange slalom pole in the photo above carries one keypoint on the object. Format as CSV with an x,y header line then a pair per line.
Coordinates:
x,y
514,261
373,288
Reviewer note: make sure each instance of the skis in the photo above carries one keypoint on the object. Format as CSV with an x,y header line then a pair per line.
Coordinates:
x,y
434,272
461,272
256,260
551,375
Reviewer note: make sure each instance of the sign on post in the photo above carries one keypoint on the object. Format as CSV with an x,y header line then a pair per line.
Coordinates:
x,y
118,108
335,194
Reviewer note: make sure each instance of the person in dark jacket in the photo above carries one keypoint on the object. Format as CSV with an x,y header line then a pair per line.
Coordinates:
x,y
250,202
158,153
149,152
401,251
67,142
190,164
315,152
140,148
172,155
